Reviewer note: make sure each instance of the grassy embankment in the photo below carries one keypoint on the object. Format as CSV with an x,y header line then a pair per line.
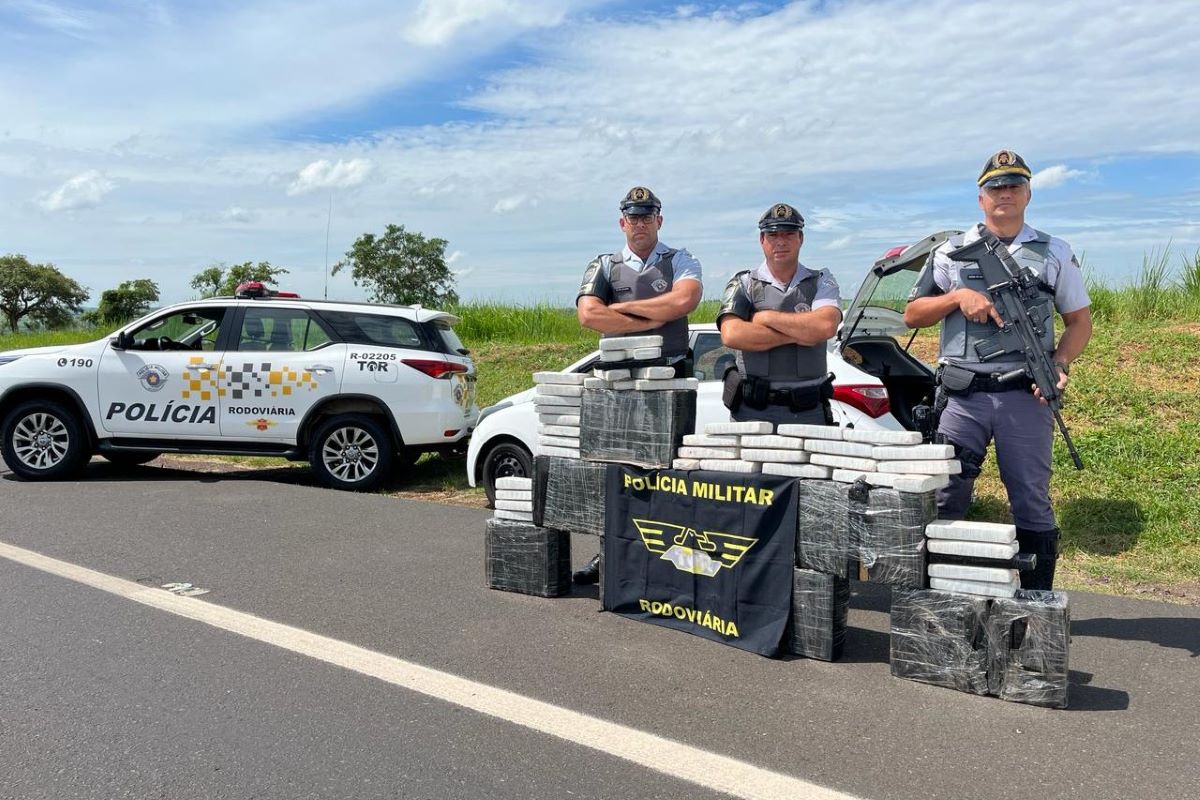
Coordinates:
x,y
1131,519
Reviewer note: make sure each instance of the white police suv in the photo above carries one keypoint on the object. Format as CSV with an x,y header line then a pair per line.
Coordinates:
x,y
357,389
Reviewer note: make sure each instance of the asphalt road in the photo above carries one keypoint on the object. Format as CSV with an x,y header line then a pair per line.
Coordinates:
x,y
106,698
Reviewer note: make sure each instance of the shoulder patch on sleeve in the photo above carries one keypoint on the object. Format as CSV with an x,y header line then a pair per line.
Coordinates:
x,y
595,280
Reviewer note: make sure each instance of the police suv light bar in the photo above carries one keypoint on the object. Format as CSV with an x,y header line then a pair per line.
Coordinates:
x,y
257,289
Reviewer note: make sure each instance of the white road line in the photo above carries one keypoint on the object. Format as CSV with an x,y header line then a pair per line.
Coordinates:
x,y
691,764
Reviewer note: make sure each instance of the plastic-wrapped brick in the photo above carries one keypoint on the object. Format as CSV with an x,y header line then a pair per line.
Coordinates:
x,y
822,531
631,427
522,557
569,494
1028,638
939,638
820,606
887,531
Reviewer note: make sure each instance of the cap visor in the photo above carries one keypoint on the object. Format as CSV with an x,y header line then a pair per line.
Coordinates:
x,y
1011,179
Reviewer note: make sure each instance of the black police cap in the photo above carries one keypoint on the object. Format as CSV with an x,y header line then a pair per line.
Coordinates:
x,y
640,201
781,217
1004,168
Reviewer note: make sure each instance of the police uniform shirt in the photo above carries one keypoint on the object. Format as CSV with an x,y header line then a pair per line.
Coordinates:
x,y
738,303
941,274
683,264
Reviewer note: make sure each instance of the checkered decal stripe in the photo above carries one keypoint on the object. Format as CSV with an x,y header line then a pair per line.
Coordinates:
x,y
246,383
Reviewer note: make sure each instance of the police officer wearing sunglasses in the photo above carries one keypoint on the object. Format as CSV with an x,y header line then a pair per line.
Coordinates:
x,y
979,408
647,288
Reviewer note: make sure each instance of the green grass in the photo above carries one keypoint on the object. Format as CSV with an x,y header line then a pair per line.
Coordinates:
x,y
1130,520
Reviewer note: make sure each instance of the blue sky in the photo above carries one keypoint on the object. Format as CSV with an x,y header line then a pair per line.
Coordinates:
x,y
152,139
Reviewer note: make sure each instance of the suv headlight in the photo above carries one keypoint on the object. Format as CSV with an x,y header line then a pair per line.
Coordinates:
x,y
7,359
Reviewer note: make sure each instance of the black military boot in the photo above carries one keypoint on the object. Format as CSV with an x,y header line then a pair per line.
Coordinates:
x,y
590,573
1045,545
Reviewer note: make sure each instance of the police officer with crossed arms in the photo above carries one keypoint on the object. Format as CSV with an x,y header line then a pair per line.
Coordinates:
x,y
646,289
778,317
979,409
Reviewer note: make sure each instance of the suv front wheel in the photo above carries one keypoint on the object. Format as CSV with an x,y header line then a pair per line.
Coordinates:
x,y
352,452
43,441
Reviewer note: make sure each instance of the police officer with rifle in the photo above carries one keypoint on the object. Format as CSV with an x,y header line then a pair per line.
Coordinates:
x,y
995,289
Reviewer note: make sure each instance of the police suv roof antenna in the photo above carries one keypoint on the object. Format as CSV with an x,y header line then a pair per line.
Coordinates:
x,y
328,220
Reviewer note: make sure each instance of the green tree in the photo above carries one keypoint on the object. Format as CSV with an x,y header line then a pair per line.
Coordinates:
x,y
128,301
37,291
401,267
208,281
221,280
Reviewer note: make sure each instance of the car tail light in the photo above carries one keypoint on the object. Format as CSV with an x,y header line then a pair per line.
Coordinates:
x,y
434,369
871,399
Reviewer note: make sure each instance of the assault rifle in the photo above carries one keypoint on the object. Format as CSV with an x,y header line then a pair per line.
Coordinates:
x,y
1014,292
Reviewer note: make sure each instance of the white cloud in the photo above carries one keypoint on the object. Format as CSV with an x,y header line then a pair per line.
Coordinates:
x,y
883,147
1053,176
55,16
238,214
85,190
507,205
439,21
324,174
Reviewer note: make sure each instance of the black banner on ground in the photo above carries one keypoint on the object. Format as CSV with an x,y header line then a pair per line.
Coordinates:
x,y
710,553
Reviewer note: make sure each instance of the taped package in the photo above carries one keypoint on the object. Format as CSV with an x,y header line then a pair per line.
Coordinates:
x,y
822,527
569,494
524,558
1028,638
820,606
887,531
939,638
632,427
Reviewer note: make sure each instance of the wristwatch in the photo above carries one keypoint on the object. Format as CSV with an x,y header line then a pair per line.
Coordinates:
x,y
1064,366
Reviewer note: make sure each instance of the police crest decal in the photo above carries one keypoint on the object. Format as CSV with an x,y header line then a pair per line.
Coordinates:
x,y
152,377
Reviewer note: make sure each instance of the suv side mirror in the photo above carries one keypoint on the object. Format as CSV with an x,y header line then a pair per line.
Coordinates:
x,y
122,341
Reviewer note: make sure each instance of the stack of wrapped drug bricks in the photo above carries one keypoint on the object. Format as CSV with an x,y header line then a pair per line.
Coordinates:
x,y
521,556
976,630
866,509
843,520
630,410
867,500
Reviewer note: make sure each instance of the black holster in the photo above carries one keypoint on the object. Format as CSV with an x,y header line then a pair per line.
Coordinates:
x,y
731,394
953,380
755,392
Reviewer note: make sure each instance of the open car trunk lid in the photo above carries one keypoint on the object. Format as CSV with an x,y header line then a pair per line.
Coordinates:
x,y
878,308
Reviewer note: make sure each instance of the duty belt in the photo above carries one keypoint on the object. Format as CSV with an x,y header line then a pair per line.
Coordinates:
x,y
983,382
758,394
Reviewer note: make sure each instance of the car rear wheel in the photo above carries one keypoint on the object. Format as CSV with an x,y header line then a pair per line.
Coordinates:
x,y
43,441
505,460
352,452
129,458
